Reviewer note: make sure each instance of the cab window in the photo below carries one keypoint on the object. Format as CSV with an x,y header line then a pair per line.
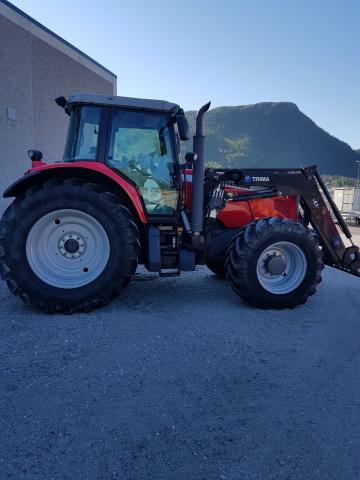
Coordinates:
x,y
83,134
140,148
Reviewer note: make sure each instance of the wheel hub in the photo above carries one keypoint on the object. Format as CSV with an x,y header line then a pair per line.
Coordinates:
x,y
275,264
72,245
281,267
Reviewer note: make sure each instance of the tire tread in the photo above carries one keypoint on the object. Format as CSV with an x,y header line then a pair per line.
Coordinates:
x,y
248,241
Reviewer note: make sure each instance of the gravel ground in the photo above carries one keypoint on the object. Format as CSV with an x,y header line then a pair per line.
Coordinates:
x,y
179,379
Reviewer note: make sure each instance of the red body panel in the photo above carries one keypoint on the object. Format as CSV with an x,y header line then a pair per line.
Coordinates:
x,y
102,169
239,214
234,215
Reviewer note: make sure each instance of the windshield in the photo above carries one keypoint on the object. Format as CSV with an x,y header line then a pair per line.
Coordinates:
x,y
83,134
140,147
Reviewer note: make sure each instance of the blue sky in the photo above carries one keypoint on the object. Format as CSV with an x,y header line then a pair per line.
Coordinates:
x,y
231,52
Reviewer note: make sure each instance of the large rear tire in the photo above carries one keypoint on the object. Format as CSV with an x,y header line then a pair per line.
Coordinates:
x,y
274,263
67,246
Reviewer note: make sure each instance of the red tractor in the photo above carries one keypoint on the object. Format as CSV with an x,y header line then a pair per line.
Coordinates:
x,y
77,229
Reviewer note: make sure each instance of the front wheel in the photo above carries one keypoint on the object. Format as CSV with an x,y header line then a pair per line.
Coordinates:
x,y
67,246
274,263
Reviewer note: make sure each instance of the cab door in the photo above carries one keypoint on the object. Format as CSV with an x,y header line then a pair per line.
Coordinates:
x,y
141,147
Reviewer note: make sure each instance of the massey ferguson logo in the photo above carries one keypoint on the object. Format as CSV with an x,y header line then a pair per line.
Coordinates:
x,y
261,179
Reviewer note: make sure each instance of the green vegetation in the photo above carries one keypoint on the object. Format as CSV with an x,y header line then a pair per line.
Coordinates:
x,y
272,135
338,181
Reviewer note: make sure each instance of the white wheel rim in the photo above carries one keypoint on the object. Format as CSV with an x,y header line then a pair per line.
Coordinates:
x,y
295,267
67,248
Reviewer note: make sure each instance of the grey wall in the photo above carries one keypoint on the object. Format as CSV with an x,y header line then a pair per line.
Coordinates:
x,y
15,92
32,74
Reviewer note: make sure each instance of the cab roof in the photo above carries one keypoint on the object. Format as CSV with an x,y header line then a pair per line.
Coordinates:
x,y
127,102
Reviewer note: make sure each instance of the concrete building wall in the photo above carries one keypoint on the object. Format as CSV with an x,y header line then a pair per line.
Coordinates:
x,y
35,68
16,94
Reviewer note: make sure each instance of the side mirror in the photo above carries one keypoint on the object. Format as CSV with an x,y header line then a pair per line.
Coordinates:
x,y
190,158
183,127
62,102
35,155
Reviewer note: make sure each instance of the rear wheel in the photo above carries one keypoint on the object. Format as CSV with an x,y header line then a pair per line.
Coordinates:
x,y
274,263
67,246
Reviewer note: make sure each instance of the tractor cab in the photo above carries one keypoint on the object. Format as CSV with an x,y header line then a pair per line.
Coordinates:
x,y
137,138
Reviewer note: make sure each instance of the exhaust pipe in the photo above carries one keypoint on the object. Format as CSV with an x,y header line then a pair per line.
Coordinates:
x,y
198,177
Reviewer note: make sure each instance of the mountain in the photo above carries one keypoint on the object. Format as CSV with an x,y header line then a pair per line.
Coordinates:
x,y
271,135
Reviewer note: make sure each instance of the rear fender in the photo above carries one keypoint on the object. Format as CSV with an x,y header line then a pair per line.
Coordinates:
x,y
94,172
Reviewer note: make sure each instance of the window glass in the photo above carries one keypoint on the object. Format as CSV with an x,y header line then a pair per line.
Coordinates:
x,y
83,134
140,148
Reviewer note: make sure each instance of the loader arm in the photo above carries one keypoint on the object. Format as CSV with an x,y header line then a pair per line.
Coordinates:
x,y
307,185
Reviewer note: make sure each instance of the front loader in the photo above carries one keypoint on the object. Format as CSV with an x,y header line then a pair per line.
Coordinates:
x,y
78,228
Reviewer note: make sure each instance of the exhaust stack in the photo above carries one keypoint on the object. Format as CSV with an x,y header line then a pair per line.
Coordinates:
x,y
198,177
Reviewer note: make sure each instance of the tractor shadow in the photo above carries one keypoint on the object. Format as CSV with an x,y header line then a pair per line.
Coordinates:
x,y
198,289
